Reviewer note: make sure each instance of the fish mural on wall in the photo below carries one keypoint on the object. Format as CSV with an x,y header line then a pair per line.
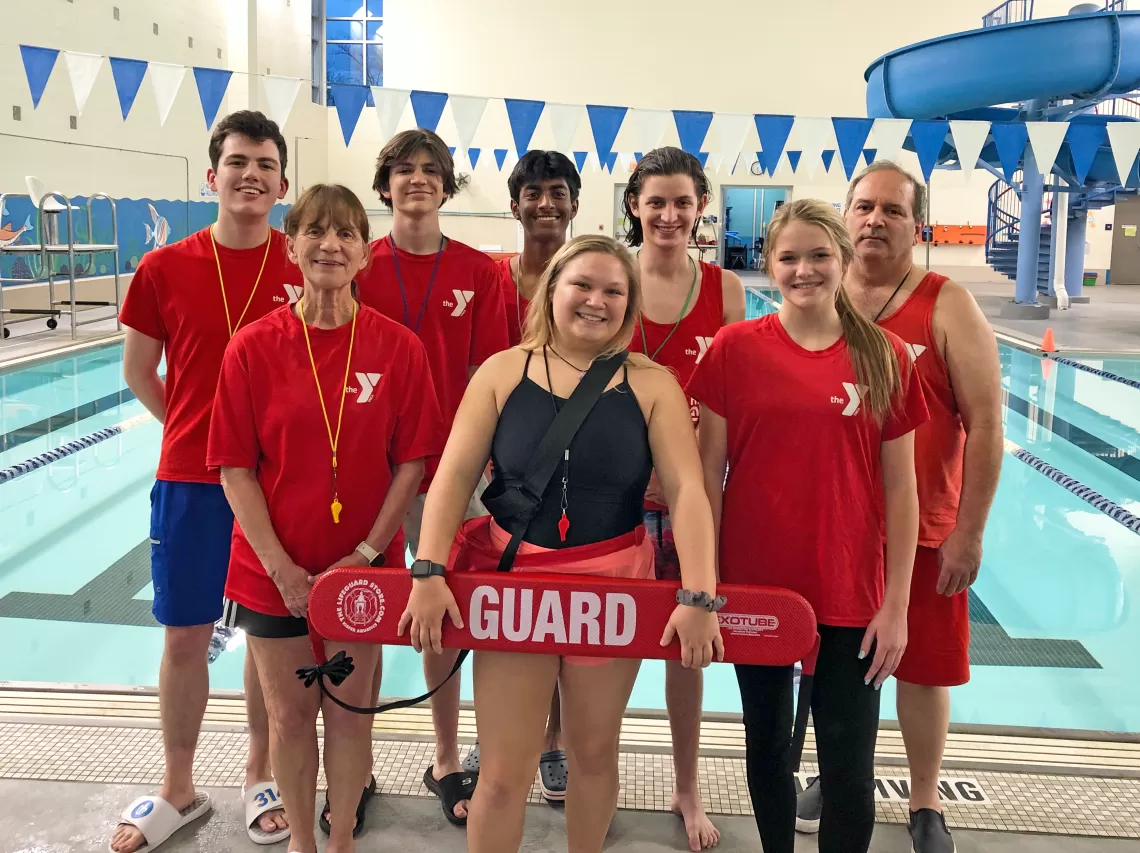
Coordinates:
x,y
161,232
9,236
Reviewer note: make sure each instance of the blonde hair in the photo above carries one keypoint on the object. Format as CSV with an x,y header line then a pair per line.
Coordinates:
x,y
538,330
872,356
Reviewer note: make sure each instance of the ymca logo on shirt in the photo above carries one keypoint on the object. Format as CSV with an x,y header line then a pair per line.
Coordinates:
x,y
914,350
703,345
855,394
368,383
462,300
292,293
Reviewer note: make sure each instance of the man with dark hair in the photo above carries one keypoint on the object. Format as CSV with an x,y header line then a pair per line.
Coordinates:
x,y
957,457
186,301
448,294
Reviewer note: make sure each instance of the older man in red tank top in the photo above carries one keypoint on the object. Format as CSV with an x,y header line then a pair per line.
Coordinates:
x,y
957,461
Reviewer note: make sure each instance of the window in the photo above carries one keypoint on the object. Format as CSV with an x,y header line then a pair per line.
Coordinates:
x,y
348,45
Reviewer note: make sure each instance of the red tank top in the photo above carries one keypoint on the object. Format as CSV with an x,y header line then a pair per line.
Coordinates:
x,y
682,349
939,444
513,302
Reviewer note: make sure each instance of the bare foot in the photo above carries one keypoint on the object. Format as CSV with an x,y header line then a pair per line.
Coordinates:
x,y
702,834
271,821
128,839
444,768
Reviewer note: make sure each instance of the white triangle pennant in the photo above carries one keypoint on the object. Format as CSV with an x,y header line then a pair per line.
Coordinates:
x,y
969,139
280,95
165,80
731,131
564,121
813,134
1046,138
712,165
390,106
647,126
467,111
82,68
889,135
1124,136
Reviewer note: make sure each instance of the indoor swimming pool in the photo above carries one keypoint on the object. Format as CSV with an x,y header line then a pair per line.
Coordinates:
x,y
1054,635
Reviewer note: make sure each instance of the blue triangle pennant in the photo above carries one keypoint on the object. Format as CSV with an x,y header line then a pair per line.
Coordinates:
x,y
851,134
1084,140
212,84
929,137
605,122
500,157
828,157
1010,138
427,108
128,74
451,150
773,131
794,159
869,155
38,65
637,155
349,101
692,127
610,161
580,159
473,155
703,156
523,116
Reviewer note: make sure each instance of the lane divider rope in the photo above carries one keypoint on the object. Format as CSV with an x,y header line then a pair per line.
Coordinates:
x,y
65,450
1096,371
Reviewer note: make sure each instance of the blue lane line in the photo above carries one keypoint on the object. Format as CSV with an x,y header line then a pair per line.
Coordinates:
x,y
63,451
1096,371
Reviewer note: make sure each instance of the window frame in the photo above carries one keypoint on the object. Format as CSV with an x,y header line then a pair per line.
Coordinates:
x,y
321,88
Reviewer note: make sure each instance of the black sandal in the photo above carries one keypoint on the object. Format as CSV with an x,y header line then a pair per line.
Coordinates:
x,y
451,790
360,810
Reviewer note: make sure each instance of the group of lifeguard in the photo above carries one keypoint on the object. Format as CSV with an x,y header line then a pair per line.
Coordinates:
x,y
334,400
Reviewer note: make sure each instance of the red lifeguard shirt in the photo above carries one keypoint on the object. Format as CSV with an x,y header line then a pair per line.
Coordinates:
x,y
462,322
803,504
175,297
514,303
682,349
267,416
940,443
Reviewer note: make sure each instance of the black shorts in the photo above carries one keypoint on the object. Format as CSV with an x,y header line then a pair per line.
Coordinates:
x,y
262,625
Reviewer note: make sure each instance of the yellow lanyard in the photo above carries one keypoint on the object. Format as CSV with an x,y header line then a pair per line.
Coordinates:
x,y
222,282
333,439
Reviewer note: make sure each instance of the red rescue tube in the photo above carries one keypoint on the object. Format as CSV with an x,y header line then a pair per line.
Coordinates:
x,y
564,615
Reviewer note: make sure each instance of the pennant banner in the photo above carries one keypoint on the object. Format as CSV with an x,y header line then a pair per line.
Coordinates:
x,y
929,137
1084,140
212,85
731,132
851,135
605,122
390,105
128,74
869,155
794,159
523,116
889,135
38,65
813,134
350,102
1046,138
580,160
1125,139
564,121
467,111
1010,139
828,157
969,139
500,157
280,95
609,161
165,81
473,156
82,68
692,128
647,128
714,161
773,131
427,108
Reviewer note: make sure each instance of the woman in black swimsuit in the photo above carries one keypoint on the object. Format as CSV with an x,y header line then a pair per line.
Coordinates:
x,y
586,307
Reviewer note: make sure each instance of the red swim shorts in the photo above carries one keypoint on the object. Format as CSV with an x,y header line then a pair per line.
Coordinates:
x,y
938,629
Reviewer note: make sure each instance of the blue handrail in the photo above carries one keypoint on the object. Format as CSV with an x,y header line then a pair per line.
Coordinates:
x,y
1115,5
1013,12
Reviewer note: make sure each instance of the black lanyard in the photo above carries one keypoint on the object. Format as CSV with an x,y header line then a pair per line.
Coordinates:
x,y
892,296
404,293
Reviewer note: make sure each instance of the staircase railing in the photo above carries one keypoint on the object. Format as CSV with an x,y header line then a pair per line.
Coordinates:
x,y
1003,214
1014,11
1115,5
1127,106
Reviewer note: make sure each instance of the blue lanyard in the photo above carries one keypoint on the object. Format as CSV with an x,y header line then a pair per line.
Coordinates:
x,y
404,293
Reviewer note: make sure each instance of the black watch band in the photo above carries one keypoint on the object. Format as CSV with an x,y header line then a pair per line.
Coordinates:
x,y
426,568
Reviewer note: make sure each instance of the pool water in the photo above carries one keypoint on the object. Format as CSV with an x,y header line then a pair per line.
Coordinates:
x,y
1054,635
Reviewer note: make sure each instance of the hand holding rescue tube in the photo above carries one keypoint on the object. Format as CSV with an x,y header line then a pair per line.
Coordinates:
x,y
697,631
424,615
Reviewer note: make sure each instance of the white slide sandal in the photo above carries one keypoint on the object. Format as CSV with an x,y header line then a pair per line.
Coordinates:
x,y
157,819
261,798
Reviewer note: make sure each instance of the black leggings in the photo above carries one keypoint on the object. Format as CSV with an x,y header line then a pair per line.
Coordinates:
x,y
845,713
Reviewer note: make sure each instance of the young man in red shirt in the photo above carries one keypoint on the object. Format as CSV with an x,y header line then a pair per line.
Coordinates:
x,y
957,458
187,300
449,295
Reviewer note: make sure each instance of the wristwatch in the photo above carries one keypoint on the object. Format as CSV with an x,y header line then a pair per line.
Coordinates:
x,y
375,558
700,599
426,569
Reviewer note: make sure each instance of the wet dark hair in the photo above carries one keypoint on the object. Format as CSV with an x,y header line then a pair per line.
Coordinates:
x,y
537,166
251,124
664,162
327,204
401,147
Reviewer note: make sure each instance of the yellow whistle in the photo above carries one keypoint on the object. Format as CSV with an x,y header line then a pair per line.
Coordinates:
x,y
336,508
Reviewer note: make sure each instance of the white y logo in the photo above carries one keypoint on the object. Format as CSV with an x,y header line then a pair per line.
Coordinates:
x,y
462,300
703,345
293,291
854,397
368,382
914,350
